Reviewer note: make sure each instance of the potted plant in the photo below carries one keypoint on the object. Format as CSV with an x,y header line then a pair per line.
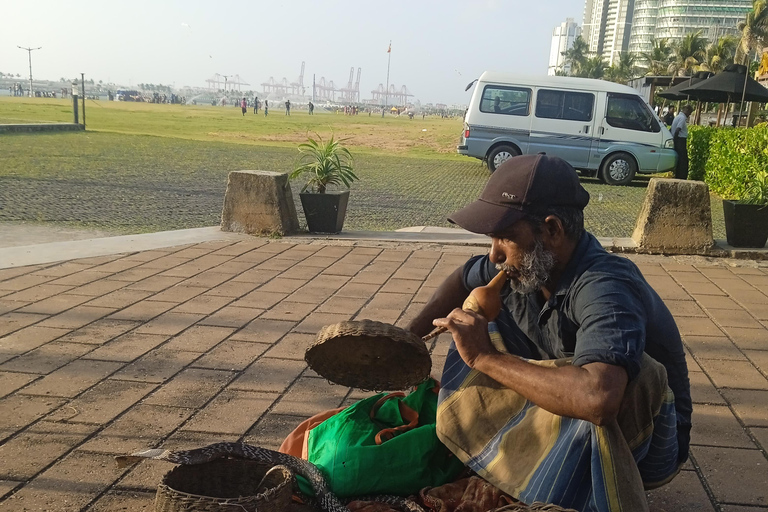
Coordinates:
x,y
746,219
324,163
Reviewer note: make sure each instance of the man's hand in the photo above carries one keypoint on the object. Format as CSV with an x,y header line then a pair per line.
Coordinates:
x,y
470,333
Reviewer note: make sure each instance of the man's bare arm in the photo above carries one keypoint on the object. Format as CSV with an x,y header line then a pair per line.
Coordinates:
x,y
592,392
448,296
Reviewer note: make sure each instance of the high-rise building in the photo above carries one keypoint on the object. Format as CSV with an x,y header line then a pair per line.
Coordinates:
x,y
673,19
606,27
562,40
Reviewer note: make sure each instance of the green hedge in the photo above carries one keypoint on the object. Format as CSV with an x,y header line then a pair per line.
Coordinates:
x,y
733,162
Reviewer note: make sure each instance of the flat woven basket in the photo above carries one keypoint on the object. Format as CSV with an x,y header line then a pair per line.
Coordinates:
x,y
369,355
536,506
225,485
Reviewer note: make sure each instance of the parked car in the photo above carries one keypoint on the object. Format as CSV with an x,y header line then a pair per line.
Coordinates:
x,y
603,129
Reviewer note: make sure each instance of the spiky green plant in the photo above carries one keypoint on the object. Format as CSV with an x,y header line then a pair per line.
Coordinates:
x,y
324,163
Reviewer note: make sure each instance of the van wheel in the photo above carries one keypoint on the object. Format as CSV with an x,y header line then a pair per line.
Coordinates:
x,y
499,155
618,169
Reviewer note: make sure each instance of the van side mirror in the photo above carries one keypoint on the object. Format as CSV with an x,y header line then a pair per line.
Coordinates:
x,y
470,84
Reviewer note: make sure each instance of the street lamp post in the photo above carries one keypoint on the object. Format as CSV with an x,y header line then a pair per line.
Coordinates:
x,y
29,51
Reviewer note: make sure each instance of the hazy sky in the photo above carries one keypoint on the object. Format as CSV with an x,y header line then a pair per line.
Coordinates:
x,y
437,46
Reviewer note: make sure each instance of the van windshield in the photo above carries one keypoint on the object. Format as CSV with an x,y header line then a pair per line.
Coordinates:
x,y
631,113
512,101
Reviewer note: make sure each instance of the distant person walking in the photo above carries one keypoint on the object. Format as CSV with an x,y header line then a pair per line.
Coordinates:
x,y
287,107
311,108
244,105
669,116
680,133
255,104
266,108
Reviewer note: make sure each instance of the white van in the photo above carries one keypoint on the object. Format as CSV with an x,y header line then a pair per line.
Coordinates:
x,y
602,128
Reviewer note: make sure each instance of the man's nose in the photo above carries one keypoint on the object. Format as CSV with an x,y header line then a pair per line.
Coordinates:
x,y
496,255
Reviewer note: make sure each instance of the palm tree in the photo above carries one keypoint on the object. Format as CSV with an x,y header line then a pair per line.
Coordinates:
x,y
754,31
658,59
689,52
720,54
593,67
576,55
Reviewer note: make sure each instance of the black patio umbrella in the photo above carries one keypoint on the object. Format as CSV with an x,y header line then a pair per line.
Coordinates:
x,y
728,87
674,94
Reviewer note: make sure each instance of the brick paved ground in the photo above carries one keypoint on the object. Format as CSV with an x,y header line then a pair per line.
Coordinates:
x,y
190,345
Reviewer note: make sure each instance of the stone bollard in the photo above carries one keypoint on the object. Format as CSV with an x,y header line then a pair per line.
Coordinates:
x,y
258,203
675,218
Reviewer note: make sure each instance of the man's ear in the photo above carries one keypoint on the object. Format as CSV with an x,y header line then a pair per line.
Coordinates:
x,y
553,230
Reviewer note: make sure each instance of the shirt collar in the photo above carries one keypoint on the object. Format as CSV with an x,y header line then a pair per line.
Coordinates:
x,y
573,268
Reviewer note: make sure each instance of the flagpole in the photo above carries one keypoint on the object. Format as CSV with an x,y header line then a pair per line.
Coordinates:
x,y
389,59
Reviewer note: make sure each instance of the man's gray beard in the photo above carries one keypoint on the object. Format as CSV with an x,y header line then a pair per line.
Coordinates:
x,y
535,270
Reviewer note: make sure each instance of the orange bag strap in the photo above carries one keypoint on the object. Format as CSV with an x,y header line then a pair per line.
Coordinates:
x,y
408,414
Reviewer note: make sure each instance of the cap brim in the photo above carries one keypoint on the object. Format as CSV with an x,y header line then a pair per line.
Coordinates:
x,y
486,218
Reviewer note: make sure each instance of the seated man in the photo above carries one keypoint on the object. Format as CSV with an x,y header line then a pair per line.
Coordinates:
x,y
593,420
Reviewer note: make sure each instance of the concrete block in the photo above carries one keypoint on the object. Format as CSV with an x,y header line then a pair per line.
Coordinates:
x,y
259,202
675,218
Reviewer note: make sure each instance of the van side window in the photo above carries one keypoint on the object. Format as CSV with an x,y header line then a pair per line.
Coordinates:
x,y
631,113
573,106
512,101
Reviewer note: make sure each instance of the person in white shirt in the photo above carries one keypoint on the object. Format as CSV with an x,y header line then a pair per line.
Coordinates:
x,y
679,131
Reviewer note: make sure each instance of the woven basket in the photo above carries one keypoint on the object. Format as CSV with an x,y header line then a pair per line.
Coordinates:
x,y
369,355
536,506
225,485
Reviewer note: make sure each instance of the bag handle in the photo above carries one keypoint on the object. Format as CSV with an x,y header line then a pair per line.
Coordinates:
x,y
408,414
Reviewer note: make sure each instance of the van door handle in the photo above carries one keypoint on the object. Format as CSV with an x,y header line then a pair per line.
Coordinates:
x,y
602,130
586,128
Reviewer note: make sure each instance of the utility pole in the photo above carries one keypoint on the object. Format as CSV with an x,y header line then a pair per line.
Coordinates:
x,y
386,91
29,51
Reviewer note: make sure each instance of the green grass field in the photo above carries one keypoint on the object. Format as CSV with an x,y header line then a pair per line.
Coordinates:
x,y
144,167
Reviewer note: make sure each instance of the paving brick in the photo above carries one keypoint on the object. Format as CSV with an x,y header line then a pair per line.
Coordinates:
x,y
716,302
747,271
388,316
37,293
231,316
256,276
237,249
713,347
198,338
715,425
667,288
11,322
316,321
10,381
143,311
191,388
22,457
47,358
292,346
269,375
136,274
232,412
310,396
319,262
272,430
719,465
759,358
207,279
119,299
127,347
716,272
77,316
734,374
312,293
18,411
734,318
100,331
303,272
277,263
702,390
740,508
343,305
169,323
203,304
282,285
293,311
6,486
231,355
117,266
156,366
260,299
97,288
140,427
7,306
10,273
748,339
749,296
28,339
232,289
165,262
424,294
343,269
102,403
684,493
155,283
146,256
412,273
84,277
25,281
192,252
179,293
684,308
366,291
761,434
372,275
263,331
196,266
749,405
691,326
233,268
131,500
72,379
68,485
334,251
